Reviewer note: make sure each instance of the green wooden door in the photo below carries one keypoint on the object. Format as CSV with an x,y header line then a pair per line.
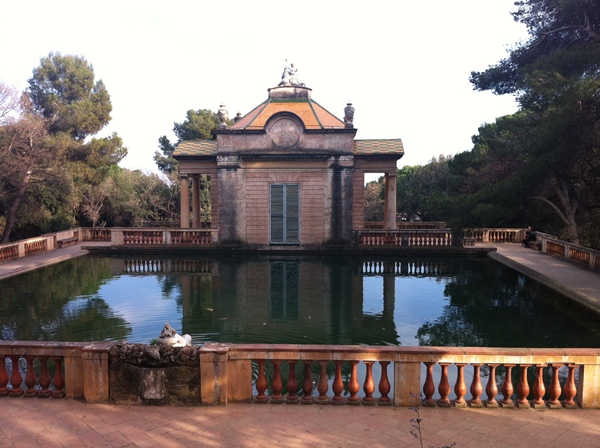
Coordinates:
x,y
285,214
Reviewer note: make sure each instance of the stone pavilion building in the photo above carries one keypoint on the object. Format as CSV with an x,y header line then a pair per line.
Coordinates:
x,y
289,172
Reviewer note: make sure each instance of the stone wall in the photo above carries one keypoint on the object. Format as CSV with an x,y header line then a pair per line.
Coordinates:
x,y
154,375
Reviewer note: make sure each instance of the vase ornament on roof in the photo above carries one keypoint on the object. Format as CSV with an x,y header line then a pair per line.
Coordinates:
x,y
290,76
349,115
223,115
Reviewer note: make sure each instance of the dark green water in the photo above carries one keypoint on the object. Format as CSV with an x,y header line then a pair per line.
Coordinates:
x,y
460,302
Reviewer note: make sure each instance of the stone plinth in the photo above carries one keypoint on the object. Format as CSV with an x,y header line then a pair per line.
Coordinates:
x,y
149,374
290,92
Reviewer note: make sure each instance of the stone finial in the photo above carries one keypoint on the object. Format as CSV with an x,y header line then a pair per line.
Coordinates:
x,y
223,115
349,115
237,117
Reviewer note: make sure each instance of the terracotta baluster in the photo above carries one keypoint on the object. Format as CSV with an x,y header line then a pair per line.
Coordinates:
x,y
3,377
444,386
59,378
507,388
523,388
491,389
261,383
353,385
429,387
292,383
307,385
277,383
338,384
369,385
323,385
570,389
538,387
384,385
16,378
554,389
460,388
30,378
476,388
45,378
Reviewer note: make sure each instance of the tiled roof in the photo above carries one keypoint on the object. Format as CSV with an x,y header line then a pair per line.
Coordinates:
x,y
361,147
312,114
378,147
196,148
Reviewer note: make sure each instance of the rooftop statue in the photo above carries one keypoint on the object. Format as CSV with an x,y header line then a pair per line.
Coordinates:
x,y
290,76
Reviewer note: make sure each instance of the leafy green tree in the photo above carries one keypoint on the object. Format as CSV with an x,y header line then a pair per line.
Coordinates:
x,y
63,90
27,164
148,196
374,203
50,175
198,125
165,161
554,76
422,191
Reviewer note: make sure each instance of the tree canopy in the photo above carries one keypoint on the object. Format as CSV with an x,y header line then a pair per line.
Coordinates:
x,y
198,125
555,137
50,160
564,39
63,89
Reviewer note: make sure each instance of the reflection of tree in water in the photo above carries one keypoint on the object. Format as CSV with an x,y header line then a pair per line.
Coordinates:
x,y
496,307
170,284
44,304
449,330
88,315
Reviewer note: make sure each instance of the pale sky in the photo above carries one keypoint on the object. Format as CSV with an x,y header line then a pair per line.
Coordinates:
x,y
404,65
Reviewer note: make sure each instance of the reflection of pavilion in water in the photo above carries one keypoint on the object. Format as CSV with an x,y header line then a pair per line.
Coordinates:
x,y
303,300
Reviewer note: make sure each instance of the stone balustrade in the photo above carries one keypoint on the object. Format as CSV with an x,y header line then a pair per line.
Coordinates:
x,y
172,237
96,234
23,248
37,245
574,253
404,238
54,369
497,235
322,374
412,235
347,375
548,244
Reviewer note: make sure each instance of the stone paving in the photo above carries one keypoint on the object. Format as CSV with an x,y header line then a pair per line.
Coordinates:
x,y
67,423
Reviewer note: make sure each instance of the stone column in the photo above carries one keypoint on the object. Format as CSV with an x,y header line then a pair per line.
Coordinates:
x,y
390,202
214,201
185,201
196,201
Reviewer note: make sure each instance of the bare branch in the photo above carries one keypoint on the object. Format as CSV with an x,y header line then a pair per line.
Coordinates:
x,y
9,102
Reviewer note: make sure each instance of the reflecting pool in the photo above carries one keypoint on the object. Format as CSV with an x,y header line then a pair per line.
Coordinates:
x,y
309,300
